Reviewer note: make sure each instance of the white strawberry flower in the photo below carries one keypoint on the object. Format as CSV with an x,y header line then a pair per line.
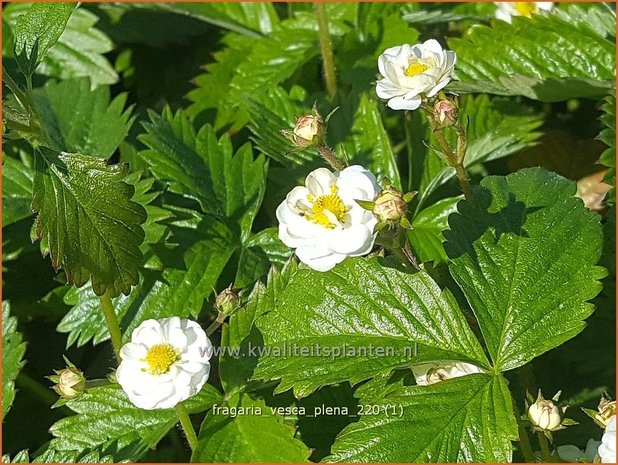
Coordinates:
x,y
322,220
166,362
410,72
607,449
432,373
505,10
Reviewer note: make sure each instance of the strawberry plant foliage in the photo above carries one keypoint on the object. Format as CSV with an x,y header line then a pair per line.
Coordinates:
x,y
88,221
386,222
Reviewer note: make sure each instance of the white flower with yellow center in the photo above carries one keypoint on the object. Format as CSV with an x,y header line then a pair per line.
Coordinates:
x,y
322,220
506,10
411,71
165,363
432,373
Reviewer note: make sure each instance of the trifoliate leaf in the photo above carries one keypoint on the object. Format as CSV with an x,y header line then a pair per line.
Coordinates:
x,y
79,51
37,30
105,417
548,58
88,220
426,233
13,350
523,251
192,261
361,304
199,166
17,182
467,419
77,119
255,436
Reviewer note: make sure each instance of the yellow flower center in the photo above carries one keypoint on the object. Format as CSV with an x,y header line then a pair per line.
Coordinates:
x,y
526,9
414,69
327,210
160,358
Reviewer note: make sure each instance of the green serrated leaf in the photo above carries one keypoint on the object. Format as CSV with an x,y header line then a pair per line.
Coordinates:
x,y
17,184
78,52
87,218
608,136
105,417
13,350
39,29
236,368
253,437
52,455
259,253
535,63
192,260
523,252
468,419
272,60
76,119
426,234
367,142
201,167
358,305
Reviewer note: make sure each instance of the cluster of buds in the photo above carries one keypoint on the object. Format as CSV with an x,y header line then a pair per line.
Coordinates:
x,y
390,207
310,131
70,383
604,413
545,415
227,302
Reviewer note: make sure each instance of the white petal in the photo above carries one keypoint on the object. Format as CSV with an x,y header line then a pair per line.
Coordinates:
x,y
319,181
348,240
319,258
356,177
133,351
438,87
148,333
433,46
403,103
546,6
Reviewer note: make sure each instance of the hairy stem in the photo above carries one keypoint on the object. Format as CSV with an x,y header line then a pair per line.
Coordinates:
x,y
187,426
215,324
328,60
546,454
462,175
112,323
330,157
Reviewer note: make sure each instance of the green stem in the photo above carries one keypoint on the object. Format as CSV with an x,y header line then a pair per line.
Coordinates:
x,y
12,85
462,175
187,426
546,454
112,323
328,58
330,157
524,440
27,383
214,326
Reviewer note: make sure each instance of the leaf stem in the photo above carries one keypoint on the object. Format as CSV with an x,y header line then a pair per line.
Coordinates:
x,y
187,426
112,323
546,454
328,59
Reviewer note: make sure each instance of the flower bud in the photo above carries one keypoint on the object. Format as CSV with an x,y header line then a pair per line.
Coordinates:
x,y
228,301
70,381
445,112
309,130
545,415
390,205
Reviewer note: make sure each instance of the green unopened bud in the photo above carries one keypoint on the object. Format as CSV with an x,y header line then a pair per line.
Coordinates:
x,y
445,112
227,302
70,381
545,415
